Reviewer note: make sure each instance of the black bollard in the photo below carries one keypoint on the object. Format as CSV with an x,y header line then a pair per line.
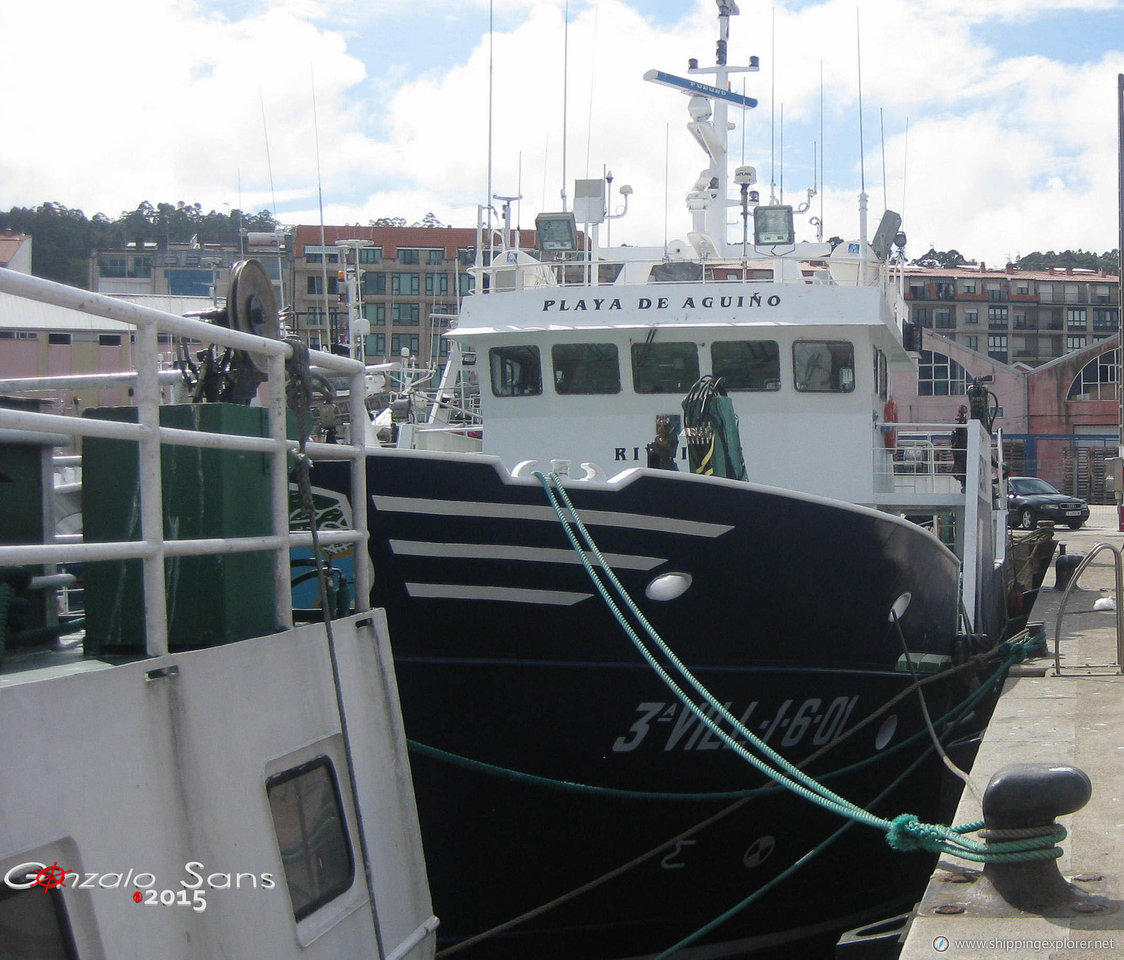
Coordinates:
x,y
1029,795
1064,567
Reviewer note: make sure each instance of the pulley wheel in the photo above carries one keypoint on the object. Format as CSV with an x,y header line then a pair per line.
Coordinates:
x,y
251,304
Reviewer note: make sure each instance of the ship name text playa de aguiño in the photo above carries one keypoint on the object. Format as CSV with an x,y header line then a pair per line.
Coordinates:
x,y
723,302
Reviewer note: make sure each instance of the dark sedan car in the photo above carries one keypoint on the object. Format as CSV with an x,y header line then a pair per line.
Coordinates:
x,y
1030,500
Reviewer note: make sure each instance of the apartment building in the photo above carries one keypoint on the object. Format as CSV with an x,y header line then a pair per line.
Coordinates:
x,y
410,280
1019,317
151,268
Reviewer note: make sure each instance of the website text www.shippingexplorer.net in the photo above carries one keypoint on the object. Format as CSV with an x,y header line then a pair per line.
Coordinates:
x,y
1021,946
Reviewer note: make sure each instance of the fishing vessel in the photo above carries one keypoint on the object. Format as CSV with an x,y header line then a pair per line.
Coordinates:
x,y
186,770
718,418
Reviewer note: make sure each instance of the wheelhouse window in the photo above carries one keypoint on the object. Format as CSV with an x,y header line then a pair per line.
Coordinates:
x,y
582,368
823,366
516,371
747,364
312,834
664,367
882,374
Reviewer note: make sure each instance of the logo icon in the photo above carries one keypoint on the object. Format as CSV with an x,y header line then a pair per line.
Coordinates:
x,y
940,944
52,876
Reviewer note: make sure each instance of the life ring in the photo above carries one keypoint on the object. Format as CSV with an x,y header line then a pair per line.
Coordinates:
x,y
890,434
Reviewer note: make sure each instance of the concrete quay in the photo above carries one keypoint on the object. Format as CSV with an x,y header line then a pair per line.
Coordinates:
x,y
1075,718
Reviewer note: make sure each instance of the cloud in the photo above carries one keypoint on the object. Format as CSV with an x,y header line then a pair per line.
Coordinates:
x,y
165,100
160,101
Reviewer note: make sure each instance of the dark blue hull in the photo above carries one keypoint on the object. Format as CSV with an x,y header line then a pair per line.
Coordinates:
x,y
549,754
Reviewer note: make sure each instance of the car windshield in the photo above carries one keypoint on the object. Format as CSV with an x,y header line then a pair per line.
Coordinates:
x,y
1031,485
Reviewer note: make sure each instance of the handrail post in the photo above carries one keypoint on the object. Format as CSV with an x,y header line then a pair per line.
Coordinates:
x,y
359,420
279,489
151,491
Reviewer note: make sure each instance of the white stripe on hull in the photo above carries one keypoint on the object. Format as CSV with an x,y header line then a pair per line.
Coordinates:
x,y
502,551
510,511
466,591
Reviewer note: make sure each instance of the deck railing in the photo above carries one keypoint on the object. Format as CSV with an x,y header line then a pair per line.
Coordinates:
x,y
520,271
152,548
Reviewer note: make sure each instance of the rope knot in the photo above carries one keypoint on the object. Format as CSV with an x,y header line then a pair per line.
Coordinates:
x,y
1016,651
907,833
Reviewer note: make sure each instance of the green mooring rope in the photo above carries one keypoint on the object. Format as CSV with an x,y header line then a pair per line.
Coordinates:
x,y
949,719
904,833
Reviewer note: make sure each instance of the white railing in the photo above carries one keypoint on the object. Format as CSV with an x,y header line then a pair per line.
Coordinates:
x,y
523,272
917,458
152,548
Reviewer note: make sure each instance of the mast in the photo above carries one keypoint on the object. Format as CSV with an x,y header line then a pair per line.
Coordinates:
x,y
708,108
716,212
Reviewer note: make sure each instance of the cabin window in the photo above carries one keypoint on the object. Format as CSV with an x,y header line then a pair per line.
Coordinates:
x,y
823,366
586,368
664,367
516,371
881,374
312,834
33,925
747,364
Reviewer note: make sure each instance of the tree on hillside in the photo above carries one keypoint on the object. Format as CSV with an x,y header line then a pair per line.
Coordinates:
x,y
63,239
183,223
947,259
1076,259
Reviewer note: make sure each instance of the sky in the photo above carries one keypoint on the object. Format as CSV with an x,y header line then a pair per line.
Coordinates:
x,y
991,127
